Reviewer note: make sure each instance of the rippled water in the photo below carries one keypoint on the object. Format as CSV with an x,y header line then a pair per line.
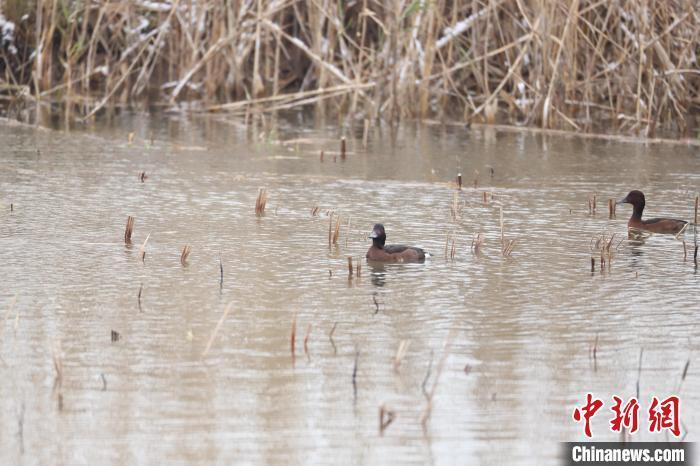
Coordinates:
x,y
518,331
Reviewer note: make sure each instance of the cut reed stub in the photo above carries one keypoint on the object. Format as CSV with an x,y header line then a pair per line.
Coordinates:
x,y
129,229
459,181
350,268
386,417
261,202
342,148
142,251
143,177
131,137
116,336
611,208
12,207
321,158
185,254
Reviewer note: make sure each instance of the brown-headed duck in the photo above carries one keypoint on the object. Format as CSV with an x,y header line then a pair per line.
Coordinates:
x,y
654,225
380,252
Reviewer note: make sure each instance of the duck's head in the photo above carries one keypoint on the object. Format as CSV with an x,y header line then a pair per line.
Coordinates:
x,y
636,198
378,235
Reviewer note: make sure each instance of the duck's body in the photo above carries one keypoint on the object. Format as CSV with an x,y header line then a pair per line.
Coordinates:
x,y
379,252
654,225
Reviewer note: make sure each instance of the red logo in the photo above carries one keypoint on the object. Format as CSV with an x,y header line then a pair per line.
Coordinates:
x,y
663,415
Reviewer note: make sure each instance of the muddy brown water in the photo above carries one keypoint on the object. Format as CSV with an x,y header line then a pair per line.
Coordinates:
x,y
519,330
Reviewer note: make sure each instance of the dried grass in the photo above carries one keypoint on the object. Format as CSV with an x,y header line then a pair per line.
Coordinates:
x,y
577,65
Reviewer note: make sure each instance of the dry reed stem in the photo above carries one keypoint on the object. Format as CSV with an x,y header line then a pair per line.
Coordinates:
x,y
261,202
142,250
330,337
336,231
342,148
350,270
306,340
400,353
129,229
431,394
293,336
185,254
386,417
217,328
583,64
459,181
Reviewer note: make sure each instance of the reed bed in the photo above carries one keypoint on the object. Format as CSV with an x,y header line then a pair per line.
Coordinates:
x,y
580,65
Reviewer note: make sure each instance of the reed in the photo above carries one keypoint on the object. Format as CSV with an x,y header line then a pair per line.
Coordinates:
x,y
354,375
386,417
143,177
142,249
342,148
129,229
336,231
215,332
306,340
400,353
611,208
185,254
139,297
261,202
115,336
575,65
330,337
350,269
293,337
477,244
459,181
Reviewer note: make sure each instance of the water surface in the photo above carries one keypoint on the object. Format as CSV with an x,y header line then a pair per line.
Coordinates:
x,y
518,331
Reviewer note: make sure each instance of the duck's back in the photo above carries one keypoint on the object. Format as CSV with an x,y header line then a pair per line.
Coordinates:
x,y
406,253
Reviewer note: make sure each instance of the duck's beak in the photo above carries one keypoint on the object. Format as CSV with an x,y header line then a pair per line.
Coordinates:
x,y
622,201
374,234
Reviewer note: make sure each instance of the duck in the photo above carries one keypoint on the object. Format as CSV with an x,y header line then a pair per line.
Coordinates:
x,y
379,252
654,225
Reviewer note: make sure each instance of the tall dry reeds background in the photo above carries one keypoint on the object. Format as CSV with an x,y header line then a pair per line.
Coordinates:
x,y
584,65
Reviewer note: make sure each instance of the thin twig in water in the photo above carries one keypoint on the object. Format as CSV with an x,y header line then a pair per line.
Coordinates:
x,y
386,417
221,274
185,254
217,328
140,290
424,385
354,376
400,353
330,337
129,229
293,337
306,341
142,250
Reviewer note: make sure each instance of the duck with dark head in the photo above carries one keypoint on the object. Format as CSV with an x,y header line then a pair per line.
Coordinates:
x,y
381,252
654,225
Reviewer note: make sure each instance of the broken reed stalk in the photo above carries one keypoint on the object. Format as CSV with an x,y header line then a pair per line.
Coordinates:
x,y
477,244
358,269
330,229
354,375
143,177
142,250
695,221
185,254
58,380
459,181
306,340
441,365
386,417
400,353
293,336
611,208
261,202
685,252
336,232
221,273
365,135
129,229
342,148
330,337
217,328
139,297
350,267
